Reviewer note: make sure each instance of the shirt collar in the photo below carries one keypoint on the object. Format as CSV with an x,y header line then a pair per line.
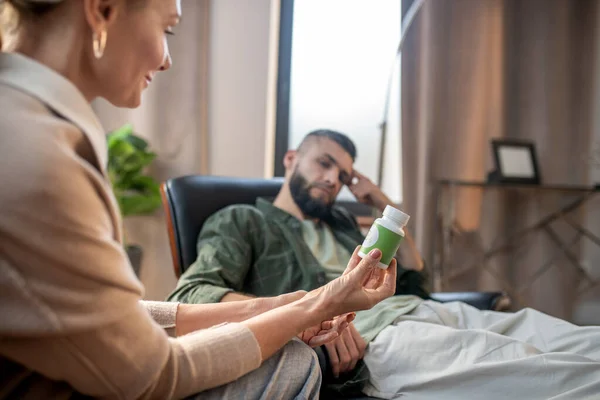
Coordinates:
x,y
270,210
58,93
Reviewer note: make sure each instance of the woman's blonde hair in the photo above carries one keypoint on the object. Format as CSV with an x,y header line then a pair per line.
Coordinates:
x,y
2,18
12,10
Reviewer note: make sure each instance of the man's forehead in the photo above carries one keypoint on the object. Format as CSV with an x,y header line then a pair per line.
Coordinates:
x,y
323,145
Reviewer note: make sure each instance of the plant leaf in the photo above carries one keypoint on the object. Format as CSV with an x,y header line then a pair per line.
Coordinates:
x,y
139,204
128,156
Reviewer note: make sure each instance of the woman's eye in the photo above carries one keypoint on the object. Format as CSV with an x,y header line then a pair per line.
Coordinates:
x,y
325,164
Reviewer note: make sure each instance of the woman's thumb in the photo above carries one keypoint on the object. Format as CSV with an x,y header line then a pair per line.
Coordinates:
x,y
367,263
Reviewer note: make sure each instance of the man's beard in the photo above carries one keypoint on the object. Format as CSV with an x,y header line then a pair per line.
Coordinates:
x,y
300,189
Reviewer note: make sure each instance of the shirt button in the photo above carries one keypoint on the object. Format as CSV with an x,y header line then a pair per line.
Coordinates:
x,y
321,279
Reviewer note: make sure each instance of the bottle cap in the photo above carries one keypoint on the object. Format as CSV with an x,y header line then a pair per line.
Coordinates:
x,y
396,215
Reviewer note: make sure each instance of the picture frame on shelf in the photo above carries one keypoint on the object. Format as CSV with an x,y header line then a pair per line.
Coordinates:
x,y
515,161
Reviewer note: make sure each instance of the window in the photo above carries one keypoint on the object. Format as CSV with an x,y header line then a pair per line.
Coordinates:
x,y
334,67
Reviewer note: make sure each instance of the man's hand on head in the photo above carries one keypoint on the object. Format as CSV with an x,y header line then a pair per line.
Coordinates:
x,y
367,192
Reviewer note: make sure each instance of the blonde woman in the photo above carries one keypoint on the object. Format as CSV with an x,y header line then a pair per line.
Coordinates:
x,y
72,321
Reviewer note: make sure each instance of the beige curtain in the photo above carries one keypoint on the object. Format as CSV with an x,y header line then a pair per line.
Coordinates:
x,y
474,70
173,119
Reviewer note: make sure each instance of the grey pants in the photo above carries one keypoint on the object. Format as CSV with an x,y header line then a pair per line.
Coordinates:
x,y
291,373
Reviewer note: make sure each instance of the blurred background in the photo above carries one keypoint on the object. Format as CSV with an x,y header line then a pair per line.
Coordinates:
x,y
252,77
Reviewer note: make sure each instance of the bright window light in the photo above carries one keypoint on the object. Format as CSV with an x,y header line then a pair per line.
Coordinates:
x,y
342,52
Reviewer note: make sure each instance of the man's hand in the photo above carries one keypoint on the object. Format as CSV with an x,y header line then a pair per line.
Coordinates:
x,y
345,351
327,330
367,192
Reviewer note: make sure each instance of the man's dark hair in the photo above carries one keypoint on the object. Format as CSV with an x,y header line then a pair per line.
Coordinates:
x,y
344,141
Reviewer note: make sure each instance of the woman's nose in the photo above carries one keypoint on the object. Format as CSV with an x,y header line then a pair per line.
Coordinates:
x,y
167,64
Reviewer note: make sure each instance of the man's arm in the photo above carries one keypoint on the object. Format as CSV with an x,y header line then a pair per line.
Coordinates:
x,y
226,247
234,296
367,192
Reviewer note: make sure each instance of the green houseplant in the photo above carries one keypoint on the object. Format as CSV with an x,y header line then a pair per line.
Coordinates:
x,y
137,193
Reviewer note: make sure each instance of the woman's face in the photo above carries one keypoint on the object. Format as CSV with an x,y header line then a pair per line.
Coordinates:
x,y
136,49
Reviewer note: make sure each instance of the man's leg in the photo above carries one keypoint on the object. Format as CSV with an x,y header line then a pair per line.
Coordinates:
x,y
292,373
548,334
428,360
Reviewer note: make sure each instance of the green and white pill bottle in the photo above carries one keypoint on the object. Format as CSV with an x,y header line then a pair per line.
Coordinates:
x,y
385,234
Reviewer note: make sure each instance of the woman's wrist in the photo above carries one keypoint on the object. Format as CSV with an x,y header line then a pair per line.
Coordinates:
x,y
286,298
183,320
315,306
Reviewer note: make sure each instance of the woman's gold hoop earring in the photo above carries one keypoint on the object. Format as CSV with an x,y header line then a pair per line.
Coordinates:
x,y
99,42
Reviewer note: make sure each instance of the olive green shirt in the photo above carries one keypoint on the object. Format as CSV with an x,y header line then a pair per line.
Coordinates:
x,y
260,250
330,254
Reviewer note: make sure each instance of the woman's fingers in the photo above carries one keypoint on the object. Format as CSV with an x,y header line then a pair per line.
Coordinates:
x,y
350,317
321,339
365,266
339,323
381,283
327,324
374,278
354,260
362,285
388,286
331,330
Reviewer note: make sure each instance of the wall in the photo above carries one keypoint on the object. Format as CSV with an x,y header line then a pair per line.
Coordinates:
x,y
588,309
238,83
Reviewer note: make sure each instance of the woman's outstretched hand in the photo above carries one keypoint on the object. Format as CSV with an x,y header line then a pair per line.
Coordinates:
x,y
313,316
326,331
362,285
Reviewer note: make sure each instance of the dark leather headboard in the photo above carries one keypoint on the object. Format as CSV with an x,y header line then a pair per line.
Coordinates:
x,y
189,200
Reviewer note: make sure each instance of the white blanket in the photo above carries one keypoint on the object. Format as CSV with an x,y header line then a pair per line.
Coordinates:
x,y
455,351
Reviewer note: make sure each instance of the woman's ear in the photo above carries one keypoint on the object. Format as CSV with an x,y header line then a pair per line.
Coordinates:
x,y
100,14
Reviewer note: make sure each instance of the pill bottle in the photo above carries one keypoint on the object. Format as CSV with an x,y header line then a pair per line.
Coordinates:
x,y
385,234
